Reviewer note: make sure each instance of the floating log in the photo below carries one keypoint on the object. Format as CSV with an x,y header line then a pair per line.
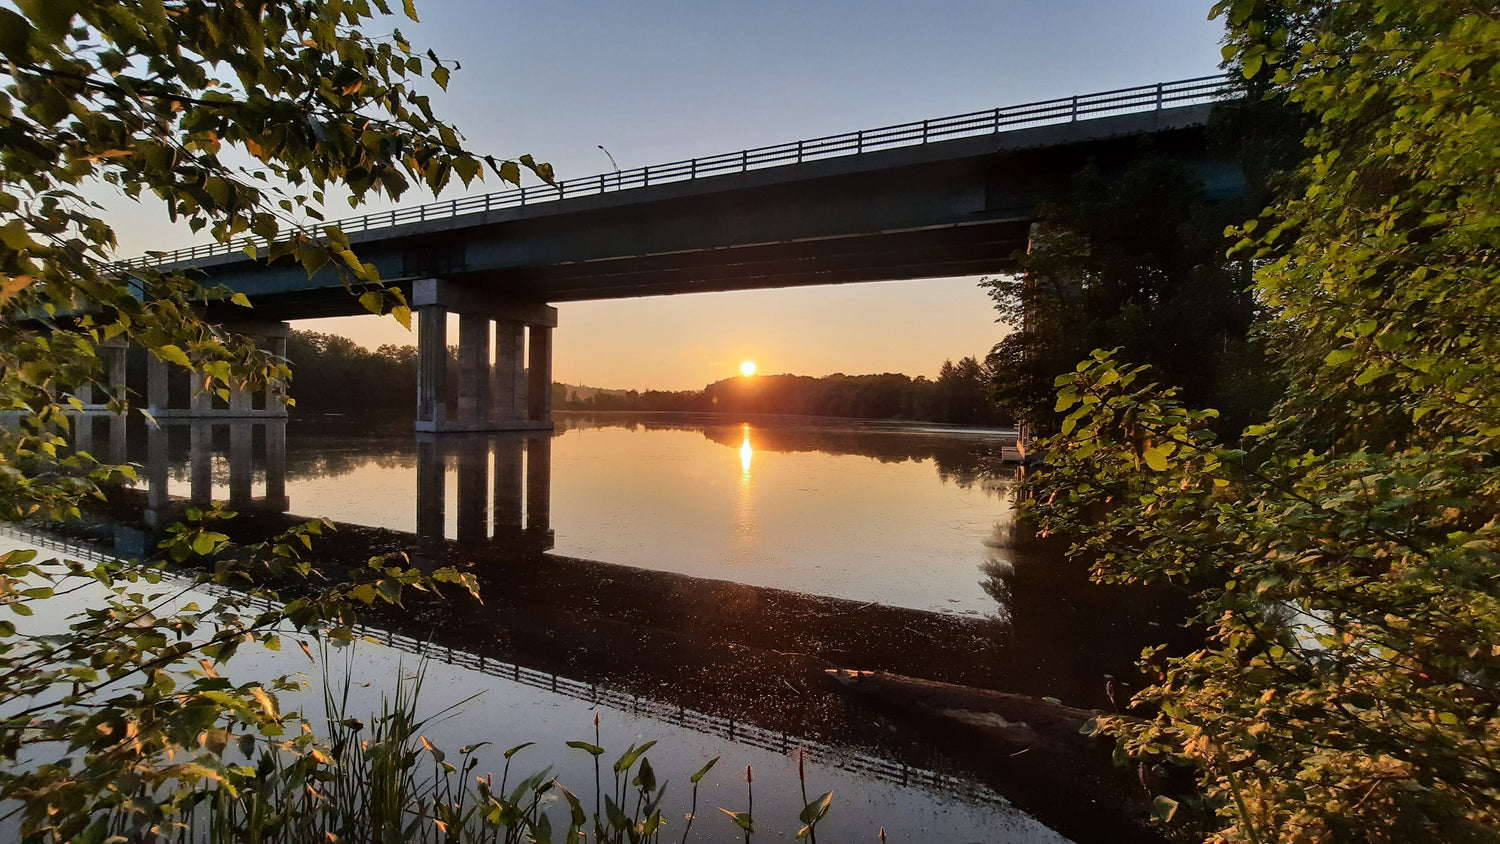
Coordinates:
x,y
1030,749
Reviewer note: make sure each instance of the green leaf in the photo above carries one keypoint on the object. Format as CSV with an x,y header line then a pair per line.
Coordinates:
x,y
372,301
741,819
627,759
591,749
15,236
816,810
703,771
1156,458
410,8
173,354
1163,809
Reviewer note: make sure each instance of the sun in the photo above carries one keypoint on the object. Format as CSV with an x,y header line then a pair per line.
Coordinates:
x,y
747,368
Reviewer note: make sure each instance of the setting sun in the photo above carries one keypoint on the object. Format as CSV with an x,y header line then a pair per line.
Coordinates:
x,y
747,368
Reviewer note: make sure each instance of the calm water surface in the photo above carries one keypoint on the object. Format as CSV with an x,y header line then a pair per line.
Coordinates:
x,y
691,578
893,514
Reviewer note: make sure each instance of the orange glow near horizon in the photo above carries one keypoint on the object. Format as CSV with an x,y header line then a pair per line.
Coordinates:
x,y
747,368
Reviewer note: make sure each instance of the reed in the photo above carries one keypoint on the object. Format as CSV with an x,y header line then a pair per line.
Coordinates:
x,y
379,780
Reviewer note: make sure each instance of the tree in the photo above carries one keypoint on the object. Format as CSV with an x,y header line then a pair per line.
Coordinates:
x,y
1346,558
337,375
963,393
158,98
1134,259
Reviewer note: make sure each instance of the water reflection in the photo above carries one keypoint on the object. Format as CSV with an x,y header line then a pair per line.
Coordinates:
x,y
227,459
631,556
746,453
502,490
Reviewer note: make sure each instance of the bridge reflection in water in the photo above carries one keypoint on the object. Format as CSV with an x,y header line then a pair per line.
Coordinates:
x,y
722,658
504,480
504,487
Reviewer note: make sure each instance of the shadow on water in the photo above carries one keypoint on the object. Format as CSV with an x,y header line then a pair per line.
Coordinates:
x,y
723,657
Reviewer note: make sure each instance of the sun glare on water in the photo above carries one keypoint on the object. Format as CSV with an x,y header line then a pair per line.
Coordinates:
x,y
747,368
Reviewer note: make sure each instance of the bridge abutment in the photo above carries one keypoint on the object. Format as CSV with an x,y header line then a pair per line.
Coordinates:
x,y
509,390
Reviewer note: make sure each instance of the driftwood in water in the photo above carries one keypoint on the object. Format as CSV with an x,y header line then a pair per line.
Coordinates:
x,y
1031,748
1019,720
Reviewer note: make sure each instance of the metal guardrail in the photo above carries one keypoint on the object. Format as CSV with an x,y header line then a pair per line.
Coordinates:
x,y
1144,98
785,744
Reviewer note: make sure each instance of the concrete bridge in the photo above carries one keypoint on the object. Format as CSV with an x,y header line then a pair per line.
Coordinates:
x,y
936,198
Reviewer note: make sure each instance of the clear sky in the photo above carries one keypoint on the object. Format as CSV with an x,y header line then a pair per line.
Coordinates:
x,y
656,81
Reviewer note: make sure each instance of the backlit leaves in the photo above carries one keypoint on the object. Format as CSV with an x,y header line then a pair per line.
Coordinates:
x,y
164,98
1346,557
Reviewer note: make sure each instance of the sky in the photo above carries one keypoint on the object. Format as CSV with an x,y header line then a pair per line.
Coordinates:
x,y
655,81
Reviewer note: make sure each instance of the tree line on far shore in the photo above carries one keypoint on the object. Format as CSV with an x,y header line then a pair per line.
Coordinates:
x,y
333,374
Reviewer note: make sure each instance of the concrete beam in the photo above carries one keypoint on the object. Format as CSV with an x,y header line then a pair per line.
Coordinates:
x,y
440,293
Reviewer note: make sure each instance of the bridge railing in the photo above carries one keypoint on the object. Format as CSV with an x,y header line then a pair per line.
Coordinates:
x,y
1144,98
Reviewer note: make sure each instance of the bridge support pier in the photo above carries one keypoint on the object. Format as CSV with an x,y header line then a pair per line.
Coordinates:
x,y
270,336
507,387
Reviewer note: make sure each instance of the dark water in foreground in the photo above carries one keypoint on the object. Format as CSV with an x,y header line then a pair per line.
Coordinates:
x,y
690,578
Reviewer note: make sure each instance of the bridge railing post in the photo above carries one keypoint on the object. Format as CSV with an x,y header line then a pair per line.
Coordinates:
x,y
1158,96
799,152
1074,118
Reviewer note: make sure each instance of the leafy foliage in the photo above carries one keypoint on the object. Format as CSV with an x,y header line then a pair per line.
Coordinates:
x,y
1133,259
159,101
1346,557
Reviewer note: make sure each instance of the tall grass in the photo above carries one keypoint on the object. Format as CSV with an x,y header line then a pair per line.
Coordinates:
x,y
381,781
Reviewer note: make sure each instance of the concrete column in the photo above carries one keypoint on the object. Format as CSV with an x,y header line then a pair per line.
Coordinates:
x,y
430,491
473,464
157,466
240,402
539,482
508,483
473,371
201,462
276,465
157,372
539,387
276,393
202,402
117,437
83,432
432,369
115,355
442,297
508,376
241,462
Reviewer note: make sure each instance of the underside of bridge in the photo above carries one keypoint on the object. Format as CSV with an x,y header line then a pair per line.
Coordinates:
x,y
948,208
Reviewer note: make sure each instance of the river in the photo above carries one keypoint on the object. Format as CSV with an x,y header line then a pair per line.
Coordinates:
x,y
690,578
